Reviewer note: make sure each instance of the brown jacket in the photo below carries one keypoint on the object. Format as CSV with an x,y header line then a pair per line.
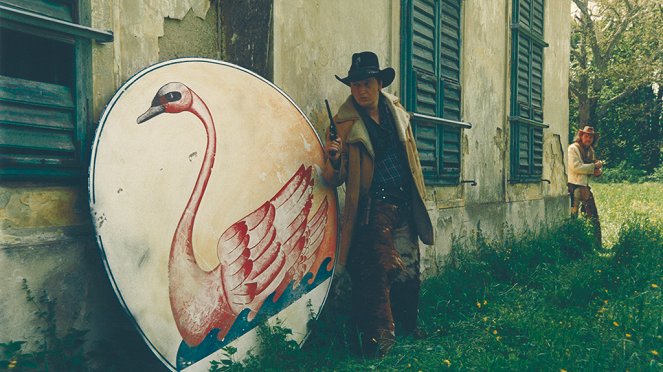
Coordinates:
x,y
356,170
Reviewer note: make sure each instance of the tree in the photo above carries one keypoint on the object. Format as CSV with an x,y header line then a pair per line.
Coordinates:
x,y
614,43
616,77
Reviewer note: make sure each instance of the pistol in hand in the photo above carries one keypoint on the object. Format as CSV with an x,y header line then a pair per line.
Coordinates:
x,y
333,134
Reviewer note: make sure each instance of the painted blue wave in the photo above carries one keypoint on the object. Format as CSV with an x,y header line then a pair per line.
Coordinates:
x,y
187,355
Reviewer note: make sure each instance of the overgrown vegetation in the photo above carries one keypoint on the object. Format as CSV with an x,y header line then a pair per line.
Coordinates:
x,y
620,202
536,303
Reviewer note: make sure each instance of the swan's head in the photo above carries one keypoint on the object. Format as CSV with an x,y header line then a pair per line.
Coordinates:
x,y
171,98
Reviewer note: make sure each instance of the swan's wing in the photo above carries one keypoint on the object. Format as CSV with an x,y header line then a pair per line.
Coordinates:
x,y
250,257
293,204
257,251
316,233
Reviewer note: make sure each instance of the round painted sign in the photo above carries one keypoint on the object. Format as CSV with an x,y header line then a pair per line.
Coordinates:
x,y
210,211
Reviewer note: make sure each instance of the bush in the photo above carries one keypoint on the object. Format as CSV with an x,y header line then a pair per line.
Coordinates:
x,y
622,173
656,175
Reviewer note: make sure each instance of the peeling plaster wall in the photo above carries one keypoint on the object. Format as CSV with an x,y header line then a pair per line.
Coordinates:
x,y
192,36
314,40
137,27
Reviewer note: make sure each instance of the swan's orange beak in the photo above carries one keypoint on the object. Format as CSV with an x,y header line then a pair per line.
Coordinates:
x,y
150,113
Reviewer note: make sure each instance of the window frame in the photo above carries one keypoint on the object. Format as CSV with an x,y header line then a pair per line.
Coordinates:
x,y
38,163
438,134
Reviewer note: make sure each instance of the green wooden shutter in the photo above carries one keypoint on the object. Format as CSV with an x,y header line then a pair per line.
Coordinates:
x,y
431,84
44,118
424,58
527,90
450,141
426,135
37,125
450,14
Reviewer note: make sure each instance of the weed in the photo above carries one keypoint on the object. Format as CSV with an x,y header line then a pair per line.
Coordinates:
x,y
55,350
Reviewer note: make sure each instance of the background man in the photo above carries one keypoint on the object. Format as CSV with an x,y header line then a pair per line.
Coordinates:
x,y
582,164
375,155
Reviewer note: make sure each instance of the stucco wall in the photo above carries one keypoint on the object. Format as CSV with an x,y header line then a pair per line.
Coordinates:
x,y
137,27
314,40
192,36
495,203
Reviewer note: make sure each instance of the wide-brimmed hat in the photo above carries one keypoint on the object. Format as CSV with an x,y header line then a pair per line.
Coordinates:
x,y
366,65
588,130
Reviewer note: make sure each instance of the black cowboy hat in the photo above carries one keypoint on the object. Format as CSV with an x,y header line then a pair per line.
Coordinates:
x,y
366,65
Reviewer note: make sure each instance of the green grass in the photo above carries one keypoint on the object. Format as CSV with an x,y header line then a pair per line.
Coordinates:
x,y
619,202
534,303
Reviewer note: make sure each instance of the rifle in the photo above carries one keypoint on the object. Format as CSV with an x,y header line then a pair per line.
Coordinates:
x,y
332,125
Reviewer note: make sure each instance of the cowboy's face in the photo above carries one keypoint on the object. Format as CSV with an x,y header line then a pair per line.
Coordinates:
x,y
587,139
366,92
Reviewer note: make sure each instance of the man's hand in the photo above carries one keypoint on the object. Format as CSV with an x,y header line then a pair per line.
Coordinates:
x,y
598,165
333,149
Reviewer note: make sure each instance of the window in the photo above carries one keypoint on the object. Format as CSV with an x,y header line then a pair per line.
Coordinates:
x,y
431,84
44,78
526,117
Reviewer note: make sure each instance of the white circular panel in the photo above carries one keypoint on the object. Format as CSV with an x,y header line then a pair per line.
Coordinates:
x,y
209,208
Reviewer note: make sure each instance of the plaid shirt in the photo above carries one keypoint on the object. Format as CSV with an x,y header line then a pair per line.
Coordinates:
x,y
390,162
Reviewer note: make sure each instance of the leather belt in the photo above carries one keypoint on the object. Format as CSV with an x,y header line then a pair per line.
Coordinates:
x,y
395,196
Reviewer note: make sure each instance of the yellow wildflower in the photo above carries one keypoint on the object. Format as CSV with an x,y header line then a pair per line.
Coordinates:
x,y
485,302
654,352
615,324
12,363
447,362
628,335
494,331
605,301
479,304
562,370
498,338
654,285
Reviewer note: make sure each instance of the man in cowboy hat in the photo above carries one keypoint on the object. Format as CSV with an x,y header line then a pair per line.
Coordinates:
x,y
375,155
582,164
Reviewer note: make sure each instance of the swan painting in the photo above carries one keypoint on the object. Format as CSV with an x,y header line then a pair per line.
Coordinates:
x,y
274,248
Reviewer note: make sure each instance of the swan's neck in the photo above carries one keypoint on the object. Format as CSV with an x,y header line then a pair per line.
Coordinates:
x,y
182,240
